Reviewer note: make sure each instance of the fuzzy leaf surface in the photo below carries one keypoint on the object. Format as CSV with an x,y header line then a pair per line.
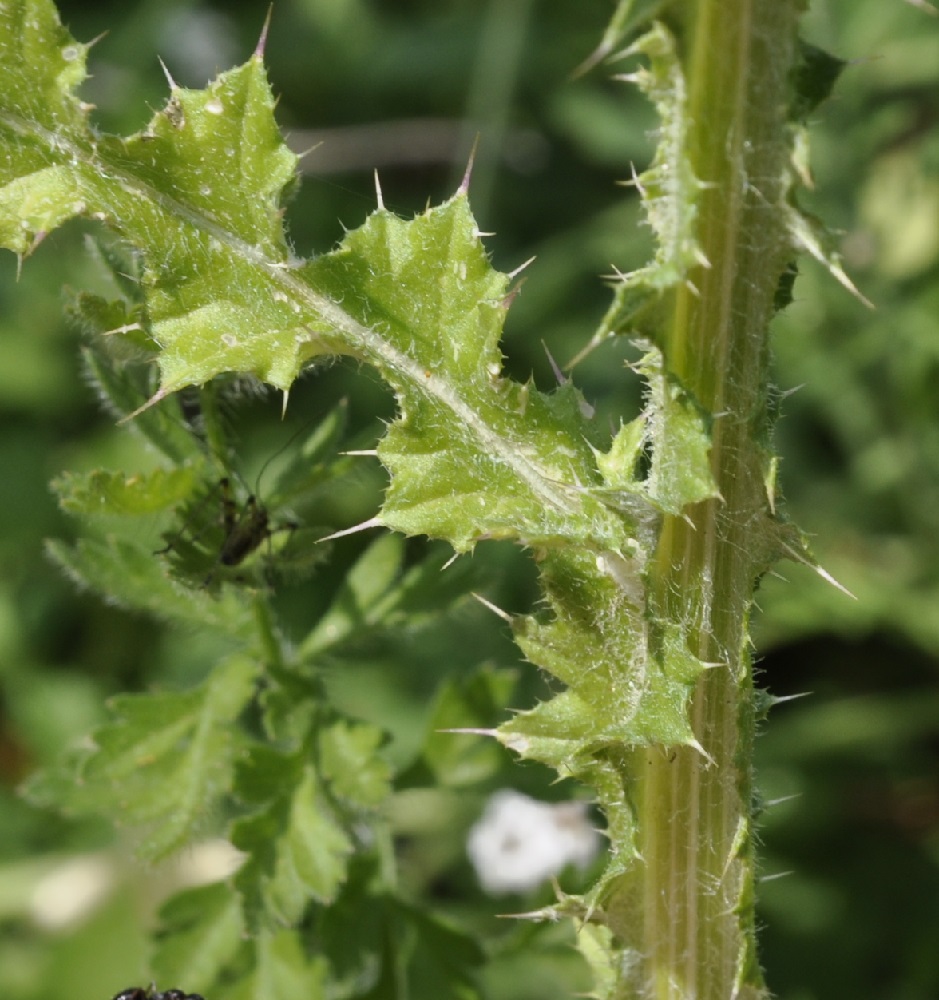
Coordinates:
x,y
297,847
352,765
106,493
134,577
197,191
164,762
473,455
620,690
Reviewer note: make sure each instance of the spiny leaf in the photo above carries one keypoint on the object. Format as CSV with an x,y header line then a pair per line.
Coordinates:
x,y
472,455
627,17
669,190
122,390
197,191
676,434
807,234
121,321
605,958
42,123
813,78
680,471
622,689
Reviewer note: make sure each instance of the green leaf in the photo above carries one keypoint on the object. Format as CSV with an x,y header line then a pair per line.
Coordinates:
x,y
620,465
351,764
108,494
628,16
297,848
622,691
376,594
200,931
443,958
460,759
813,78
596,943
362,598
670,192
291,702
282,971
121,321
315,464
472,455
122,390
809,235
165,761
680,471
42,123
197,191
133,576
380,946
677,434
202,943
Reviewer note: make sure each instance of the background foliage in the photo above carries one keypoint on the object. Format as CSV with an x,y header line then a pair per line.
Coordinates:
x,y
859,915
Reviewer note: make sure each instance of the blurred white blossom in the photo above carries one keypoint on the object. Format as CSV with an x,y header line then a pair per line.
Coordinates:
x,y
63,892
518,843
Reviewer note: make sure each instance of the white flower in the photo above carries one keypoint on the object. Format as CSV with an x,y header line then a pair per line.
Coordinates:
x,y
518,843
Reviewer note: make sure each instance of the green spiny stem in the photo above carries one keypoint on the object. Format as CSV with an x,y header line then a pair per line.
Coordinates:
x,y
694,808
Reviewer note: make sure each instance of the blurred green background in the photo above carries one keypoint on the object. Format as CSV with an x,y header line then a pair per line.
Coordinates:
x,y
404,86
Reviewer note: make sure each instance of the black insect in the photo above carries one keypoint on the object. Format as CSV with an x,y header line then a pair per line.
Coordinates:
x,y
139,993
223,526
240,531
245,529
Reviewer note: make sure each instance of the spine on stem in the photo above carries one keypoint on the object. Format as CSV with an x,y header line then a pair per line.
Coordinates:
x,y
672,918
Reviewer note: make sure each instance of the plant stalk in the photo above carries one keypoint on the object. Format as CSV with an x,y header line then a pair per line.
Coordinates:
x,y
698,937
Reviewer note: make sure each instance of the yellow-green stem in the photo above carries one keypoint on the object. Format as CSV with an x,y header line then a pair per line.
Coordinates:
x,y
698,939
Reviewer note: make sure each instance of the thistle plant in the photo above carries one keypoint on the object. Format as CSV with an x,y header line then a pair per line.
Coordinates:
x,y
649,542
